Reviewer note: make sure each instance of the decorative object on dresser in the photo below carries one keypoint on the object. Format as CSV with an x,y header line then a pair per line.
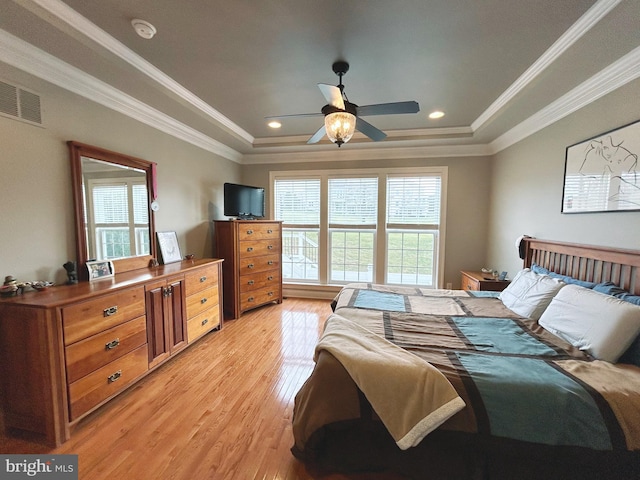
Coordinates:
x,y
169,247
252,269
100,269
482,281
70,349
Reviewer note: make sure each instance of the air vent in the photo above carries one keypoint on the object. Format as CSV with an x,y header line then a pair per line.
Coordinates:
x,y
19,103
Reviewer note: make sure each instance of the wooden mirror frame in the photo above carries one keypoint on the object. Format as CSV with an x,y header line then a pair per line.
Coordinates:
x,y
77,151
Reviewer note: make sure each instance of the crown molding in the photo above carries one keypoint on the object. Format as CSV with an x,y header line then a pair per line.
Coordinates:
x,y
577,30
400,144
34,61
616,75
72,19
362,154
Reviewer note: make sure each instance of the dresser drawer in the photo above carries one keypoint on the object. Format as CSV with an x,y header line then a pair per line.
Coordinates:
x,y
258,297
470,283
203,323
96,387
258,264
88,318
201,279
478,281
201,301
259,247
87,355
258,280
258,231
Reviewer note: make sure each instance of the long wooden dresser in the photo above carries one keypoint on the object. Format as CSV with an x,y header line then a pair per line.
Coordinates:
x,y
69,349
252,269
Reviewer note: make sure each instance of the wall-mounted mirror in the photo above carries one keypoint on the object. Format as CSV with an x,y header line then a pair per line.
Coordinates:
x,y
112,194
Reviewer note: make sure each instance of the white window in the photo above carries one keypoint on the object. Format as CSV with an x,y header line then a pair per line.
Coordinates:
x,y
297,204
413,223
120,218
353,218
382,226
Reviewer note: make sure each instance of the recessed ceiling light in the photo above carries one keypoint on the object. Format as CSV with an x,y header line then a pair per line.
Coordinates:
x,y
274,124
436,114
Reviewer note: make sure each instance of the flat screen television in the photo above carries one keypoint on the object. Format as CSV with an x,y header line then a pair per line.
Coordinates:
x,y
243,201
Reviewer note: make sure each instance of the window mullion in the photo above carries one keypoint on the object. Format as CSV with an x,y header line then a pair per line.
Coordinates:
x,y
380,252
323,255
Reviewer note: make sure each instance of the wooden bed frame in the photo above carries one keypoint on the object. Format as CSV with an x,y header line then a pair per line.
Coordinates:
x,y
586,262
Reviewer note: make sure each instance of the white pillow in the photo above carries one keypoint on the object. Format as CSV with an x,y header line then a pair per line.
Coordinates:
x,y
601,324
529,294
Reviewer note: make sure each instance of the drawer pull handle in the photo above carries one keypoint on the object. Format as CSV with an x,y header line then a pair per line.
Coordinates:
x,y
269,247
114,376
269,231
270,277
270,294
204,300
250,282
205,321
249,232
250,265
110,311
250,249
270,262
112,344
250,299
203,279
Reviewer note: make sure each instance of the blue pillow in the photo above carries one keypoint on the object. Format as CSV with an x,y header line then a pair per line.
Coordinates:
x,y
612,289
565,278
632,355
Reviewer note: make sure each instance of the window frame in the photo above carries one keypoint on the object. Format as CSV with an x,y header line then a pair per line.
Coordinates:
x,y
380,251
94,229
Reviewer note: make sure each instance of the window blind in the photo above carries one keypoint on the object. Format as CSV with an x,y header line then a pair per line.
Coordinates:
x,y
353,201
297,201
413,200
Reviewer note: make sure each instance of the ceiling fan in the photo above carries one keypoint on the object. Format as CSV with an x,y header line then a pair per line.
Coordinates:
x,y
342,117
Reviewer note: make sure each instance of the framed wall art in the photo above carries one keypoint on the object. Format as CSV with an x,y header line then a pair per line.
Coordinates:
x,y
168,246
602,173
100,269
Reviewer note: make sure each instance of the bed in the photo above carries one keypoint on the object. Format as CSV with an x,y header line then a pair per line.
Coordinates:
x,y
539,381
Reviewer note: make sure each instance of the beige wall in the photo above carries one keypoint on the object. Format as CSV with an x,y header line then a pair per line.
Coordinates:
x,y
467,202
526,193
36,217
490,201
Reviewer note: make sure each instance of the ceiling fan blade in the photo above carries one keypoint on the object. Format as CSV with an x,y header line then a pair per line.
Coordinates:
x,y
318,135
369,130
389,108
332,94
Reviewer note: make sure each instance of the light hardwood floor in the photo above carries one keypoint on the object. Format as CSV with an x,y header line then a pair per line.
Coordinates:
x,y
220,410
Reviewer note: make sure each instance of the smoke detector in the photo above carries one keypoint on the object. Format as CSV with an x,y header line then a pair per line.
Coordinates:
x,y
143,28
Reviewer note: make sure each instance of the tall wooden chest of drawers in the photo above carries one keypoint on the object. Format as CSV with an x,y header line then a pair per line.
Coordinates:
x,y
252,268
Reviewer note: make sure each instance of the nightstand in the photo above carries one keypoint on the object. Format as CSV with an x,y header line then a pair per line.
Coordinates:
x,y
482,281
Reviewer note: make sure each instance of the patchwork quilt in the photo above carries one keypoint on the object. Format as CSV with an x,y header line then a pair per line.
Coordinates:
x,y
518,381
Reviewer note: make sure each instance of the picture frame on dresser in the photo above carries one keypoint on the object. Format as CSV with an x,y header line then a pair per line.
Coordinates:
x,y
99,269
169,247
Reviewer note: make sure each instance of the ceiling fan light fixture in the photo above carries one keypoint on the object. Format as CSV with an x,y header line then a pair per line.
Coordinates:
x,y
340,127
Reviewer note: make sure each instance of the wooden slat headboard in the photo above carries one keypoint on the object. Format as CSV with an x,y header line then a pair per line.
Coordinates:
x,y
586,262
